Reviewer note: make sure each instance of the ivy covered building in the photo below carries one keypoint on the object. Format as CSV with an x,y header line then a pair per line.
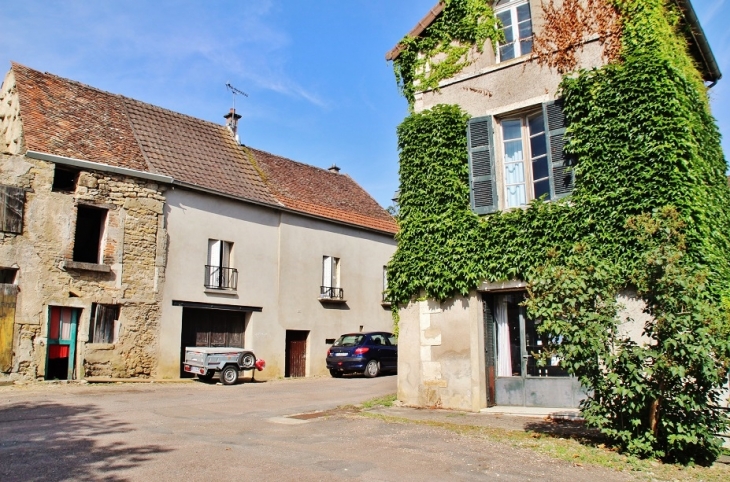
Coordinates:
x,y
544,141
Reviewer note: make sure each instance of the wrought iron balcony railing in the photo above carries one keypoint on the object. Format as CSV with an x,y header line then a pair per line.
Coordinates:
x,y
219,278
331,293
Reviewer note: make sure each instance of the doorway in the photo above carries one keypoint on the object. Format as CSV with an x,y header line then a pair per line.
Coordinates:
x,y
210,327
62,330
512,346
296,353
8,295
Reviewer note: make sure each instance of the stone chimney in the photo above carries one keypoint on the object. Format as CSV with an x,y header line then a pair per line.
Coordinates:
x,y
334,168
232,123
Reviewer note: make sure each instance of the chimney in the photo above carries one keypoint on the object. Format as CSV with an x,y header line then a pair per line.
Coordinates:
x,y
232,123
334,168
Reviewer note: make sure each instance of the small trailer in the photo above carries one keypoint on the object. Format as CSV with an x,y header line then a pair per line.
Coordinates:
x,y
206,361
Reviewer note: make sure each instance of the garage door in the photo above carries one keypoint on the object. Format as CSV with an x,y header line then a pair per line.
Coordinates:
x,y
201,327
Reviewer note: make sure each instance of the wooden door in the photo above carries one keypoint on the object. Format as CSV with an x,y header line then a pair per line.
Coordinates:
x,y
205,327
8,295
296,353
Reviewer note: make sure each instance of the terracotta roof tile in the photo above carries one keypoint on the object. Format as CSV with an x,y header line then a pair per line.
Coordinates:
x,y
323,193
70,119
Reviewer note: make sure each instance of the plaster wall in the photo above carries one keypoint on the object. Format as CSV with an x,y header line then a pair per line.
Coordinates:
x,y
192,219
441,356
363,254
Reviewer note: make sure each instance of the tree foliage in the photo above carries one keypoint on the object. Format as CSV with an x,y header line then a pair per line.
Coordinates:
x,y
650,213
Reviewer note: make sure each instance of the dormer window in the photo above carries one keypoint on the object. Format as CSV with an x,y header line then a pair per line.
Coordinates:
x,y
516,21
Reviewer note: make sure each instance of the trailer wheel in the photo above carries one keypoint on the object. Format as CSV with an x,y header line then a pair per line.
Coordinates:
x,y
229,375
247,360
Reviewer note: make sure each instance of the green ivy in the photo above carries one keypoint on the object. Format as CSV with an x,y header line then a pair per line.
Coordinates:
x,y
650,212
441,51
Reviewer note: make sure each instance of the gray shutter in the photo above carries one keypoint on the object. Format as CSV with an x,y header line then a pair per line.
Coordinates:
x,y
562,177
490,343
12,200
482,175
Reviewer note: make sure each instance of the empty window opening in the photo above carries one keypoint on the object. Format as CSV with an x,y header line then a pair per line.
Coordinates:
x,y
104,327
218,272
64,179
8,275
90,223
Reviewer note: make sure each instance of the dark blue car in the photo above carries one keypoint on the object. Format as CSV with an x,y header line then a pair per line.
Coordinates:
x,y
366,353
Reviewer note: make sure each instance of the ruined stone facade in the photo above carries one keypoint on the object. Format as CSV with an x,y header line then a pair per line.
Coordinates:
x,y
128,274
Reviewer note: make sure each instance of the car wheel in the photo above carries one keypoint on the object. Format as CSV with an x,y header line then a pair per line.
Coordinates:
x,y
372,369
336,373
207,377
247,360
229,375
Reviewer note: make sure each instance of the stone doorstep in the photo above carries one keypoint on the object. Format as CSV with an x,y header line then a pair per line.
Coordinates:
x,y
572,415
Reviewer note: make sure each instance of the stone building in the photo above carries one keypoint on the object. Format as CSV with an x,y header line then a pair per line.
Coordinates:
x,y
130,232
449,351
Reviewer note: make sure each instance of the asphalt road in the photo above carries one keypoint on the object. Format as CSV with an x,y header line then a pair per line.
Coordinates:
x,y
206,432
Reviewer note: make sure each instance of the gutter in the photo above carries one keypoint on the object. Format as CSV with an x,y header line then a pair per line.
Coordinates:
x,y
96,166
700,40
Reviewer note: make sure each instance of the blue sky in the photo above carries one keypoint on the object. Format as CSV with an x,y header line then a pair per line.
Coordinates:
x,y
320,90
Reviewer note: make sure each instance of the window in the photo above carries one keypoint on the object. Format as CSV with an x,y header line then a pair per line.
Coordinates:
x,y
330,288
64,179
517,28
218,272
523,161
104,326
524,155
8,275
385,283
90,222
12,200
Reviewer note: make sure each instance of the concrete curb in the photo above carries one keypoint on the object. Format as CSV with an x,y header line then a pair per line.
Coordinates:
x,y
138,380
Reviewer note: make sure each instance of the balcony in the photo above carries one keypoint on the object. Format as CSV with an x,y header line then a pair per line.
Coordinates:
x,y
330,294
220,278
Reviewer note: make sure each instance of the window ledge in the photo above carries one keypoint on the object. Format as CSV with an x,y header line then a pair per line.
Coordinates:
x,y
100,346
99,268
386,304
222,291
332,300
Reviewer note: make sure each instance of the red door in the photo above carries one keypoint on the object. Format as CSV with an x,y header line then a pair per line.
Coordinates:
x,y
296,353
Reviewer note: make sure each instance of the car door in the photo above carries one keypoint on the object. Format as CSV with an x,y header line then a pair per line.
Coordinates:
x,y
391,352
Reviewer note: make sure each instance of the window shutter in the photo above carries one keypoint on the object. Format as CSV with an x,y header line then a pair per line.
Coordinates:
x,y
482,175
327,271
562,177
12,200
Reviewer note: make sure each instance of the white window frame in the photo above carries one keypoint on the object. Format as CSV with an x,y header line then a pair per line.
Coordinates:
x,y
330,272
527,160
219,256
511,7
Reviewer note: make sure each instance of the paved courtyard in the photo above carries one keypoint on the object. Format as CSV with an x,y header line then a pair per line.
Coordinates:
x,y
198,431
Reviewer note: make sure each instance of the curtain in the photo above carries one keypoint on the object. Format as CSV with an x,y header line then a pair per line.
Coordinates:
x,y
504,352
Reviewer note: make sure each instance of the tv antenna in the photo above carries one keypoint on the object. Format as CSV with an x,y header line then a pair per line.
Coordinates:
x,y
234,91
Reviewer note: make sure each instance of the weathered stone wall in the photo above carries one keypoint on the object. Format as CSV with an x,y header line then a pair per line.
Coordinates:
x,y
133,247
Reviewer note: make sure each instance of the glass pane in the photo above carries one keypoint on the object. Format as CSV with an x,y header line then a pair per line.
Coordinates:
x,y
523,12
511,129
526,46
540,168
536,124
535,344
525,29
538,146
513,151
505,18
506,52
542,188
514,173
516,196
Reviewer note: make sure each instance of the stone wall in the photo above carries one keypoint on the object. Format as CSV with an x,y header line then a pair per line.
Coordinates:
x,y
130,274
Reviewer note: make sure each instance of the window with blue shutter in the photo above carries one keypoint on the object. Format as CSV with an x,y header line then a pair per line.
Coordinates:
x,y
482,172
562,177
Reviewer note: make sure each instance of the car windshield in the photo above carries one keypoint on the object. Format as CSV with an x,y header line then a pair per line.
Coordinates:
x,y
349,340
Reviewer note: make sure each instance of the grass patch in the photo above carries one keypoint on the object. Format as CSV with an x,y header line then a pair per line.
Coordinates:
x,y
570,449
386,401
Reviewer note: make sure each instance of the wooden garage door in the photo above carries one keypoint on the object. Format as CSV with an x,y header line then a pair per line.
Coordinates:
x,y
201,327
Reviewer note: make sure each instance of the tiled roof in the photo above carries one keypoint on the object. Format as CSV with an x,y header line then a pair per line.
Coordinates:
x,y
70,119
317,191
